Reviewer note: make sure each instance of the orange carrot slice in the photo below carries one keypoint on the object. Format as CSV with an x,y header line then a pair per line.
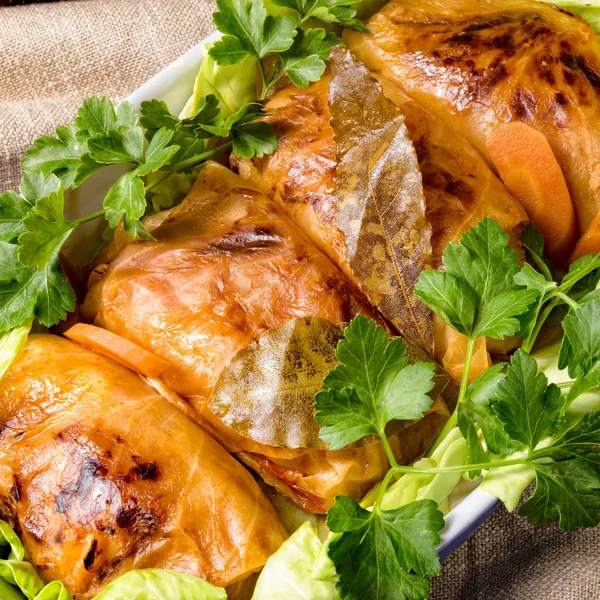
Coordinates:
x,y
527,166
114,346
451,350
589,242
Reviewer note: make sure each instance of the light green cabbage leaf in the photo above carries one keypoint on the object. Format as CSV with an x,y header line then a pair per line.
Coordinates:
x,y
11,343
158,584
18,578
508,483
171,191
233,85
236,85
299,570
419,486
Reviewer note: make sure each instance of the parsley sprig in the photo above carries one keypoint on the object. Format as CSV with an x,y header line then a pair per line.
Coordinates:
x,y
33,225
376,549
509,416
478,294
373,385
553,292
280,45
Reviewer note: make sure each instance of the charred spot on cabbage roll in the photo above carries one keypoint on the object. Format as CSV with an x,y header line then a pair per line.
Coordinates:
x,y
100,475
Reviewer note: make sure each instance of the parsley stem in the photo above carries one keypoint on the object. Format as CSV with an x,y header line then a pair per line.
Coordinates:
x,y
302,18
388,450
96,215
384,486
527,344
276,74
463,468
572,304
394,466
265,85
539,263
464,383
195,160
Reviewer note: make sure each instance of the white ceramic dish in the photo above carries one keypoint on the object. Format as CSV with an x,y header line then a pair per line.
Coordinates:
x,y
174,85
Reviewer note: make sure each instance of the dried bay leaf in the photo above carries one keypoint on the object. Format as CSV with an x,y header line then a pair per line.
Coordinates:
x,y
379,201
266,392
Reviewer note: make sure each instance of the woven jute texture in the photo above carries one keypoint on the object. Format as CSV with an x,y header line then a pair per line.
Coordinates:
x,y
53,55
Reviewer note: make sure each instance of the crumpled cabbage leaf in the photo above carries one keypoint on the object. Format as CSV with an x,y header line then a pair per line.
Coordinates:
x,y
18,578
233,85
379,200
54,590
159,584
508,483
172,190
299,570
9,538
11,343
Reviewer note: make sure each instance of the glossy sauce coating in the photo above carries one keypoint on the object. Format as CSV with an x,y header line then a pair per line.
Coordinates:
x,y
99,475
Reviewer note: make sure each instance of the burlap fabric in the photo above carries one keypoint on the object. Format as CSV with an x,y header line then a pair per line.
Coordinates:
x,y
53,55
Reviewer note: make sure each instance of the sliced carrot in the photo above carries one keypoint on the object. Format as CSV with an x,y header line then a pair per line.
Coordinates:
x,y
114,346
451,350
589,242
527,166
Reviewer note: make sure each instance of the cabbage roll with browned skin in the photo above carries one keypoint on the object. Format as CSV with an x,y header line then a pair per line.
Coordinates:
x,y
300,175
478,63
99,475
227,266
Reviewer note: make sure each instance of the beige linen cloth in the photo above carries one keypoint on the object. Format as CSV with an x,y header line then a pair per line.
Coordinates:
x,y
53,55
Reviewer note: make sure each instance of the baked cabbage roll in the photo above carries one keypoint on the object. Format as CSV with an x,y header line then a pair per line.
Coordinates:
x,y
100,475
227,266
371,221
478,63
